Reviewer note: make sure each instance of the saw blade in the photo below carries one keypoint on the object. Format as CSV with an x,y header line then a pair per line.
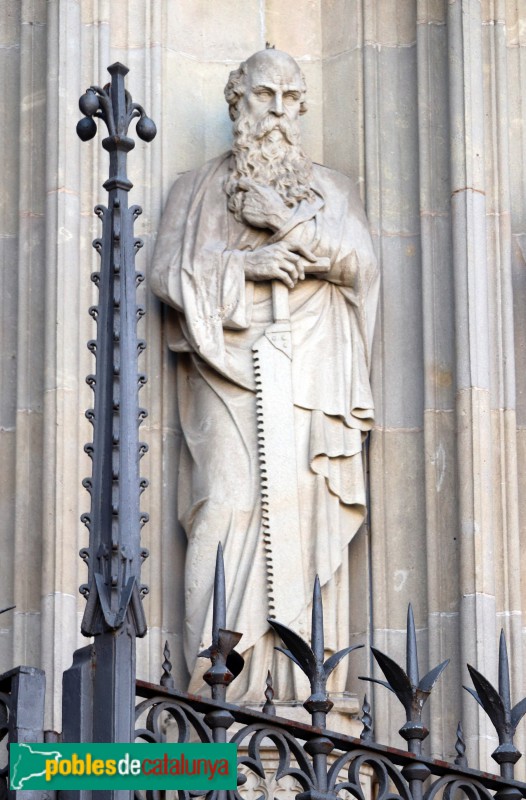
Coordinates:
x,y
278,469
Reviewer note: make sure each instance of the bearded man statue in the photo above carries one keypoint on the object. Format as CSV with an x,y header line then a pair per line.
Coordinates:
x,y
256,219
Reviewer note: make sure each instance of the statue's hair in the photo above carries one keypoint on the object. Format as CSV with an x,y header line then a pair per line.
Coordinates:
x,y
237,86
235,89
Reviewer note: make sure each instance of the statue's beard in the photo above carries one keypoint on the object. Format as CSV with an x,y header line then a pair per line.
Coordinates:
x,y
269,159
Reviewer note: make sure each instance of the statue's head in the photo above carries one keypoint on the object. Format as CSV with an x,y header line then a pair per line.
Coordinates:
x,y
269,82
266,97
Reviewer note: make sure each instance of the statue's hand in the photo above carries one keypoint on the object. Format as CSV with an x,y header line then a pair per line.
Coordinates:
x,y
262,206
282,261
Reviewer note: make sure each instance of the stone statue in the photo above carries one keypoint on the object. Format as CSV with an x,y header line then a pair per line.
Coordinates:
x,y
260,253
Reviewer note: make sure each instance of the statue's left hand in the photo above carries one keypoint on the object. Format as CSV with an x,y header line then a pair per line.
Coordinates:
x,y
262,206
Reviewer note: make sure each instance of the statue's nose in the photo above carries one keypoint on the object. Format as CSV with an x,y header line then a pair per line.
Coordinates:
x,y
277,105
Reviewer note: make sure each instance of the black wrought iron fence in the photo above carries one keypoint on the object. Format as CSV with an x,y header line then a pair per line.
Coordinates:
x,y
322,764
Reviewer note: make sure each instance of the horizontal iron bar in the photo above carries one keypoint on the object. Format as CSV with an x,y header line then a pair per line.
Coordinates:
x,y
340,740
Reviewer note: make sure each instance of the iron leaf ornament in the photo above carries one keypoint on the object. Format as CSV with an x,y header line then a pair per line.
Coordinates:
x,y
311,659
411,690
497,705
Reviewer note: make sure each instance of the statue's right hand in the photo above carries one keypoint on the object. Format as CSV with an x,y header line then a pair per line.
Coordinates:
x,y
278,261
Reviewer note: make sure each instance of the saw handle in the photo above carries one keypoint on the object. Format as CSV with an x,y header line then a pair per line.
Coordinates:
x,y
280,302
280,292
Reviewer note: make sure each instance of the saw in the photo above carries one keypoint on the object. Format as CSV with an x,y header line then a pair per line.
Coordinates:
x,y
277,455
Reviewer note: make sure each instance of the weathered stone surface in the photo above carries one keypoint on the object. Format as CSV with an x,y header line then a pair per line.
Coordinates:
x,y
397,517
343,90
390,24
204,32
7,528
295,28
391,140
400,364
341,26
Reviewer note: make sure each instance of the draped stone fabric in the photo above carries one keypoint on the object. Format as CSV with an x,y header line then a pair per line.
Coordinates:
x,y
199,270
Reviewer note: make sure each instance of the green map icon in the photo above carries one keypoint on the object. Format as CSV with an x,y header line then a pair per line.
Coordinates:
x,y
30,763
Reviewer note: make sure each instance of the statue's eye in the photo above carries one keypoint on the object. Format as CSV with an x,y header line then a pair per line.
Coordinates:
x,y
263,94
291,97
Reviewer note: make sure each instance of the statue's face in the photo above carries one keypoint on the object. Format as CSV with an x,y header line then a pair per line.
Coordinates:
x,y
273,87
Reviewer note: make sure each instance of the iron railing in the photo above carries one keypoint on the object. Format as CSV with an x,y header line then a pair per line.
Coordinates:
x,y
311,762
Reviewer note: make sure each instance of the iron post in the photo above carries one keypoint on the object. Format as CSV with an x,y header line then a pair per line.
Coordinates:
x,y
114,612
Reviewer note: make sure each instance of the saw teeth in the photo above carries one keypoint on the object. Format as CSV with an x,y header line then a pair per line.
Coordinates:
x,y
264,481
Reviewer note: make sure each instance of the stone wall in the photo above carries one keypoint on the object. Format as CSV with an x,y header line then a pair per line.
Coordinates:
x,y
420,101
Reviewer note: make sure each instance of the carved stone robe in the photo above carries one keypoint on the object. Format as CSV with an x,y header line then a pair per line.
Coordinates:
x,y
199,271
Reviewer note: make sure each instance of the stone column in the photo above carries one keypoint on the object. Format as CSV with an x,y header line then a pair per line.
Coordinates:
x,y
473,402
9,135
500,86
26,553
392,202
441,540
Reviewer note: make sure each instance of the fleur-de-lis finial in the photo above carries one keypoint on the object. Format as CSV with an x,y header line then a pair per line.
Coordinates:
x,y
98,102
311,659
411,690
497,705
